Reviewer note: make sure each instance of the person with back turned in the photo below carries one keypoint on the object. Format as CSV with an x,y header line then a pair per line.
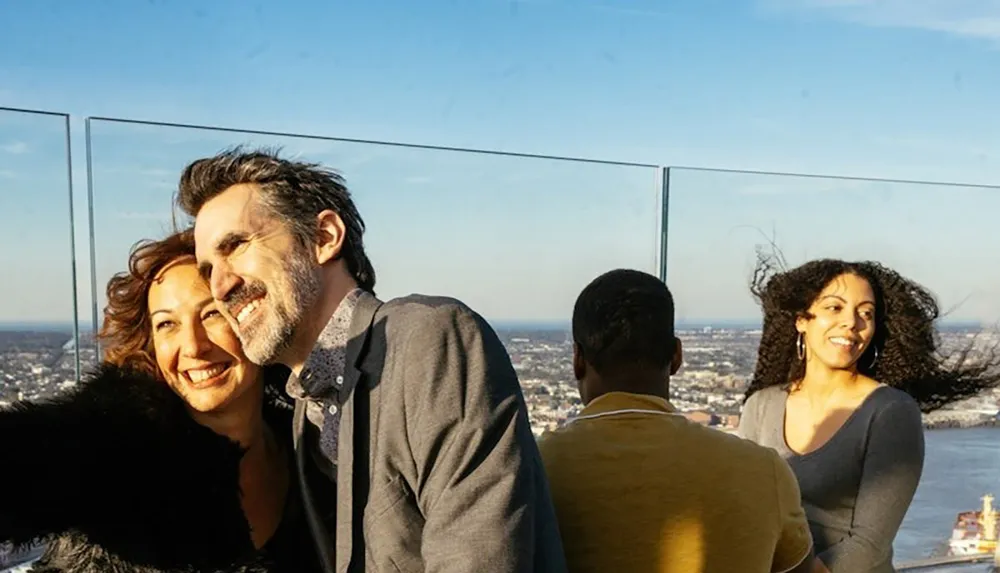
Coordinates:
x,y
637,486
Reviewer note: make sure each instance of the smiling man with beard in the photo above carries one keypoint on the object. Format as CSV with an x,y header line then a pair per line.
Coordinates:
x,y
412,438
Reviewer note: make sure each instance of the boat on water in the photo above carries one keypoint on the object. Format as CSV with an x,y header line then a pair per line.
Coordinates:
x,y
975,532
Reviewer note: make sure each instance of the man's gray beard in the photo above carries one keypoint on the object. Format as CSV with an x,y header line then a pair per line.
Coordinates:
x,y
276,333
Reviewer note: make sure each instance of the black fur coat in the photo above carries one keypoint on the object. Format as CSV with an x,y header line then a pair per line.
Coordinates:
x,y
119,479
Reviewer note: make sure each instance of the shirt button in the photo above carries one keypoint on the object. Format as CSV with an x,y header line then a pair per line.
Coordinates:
x,y
332,409
340,381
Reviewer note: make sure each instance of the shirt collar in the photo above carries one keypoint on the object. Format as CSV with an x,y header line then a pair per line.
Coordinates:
x,y
324,368
615,401
335,332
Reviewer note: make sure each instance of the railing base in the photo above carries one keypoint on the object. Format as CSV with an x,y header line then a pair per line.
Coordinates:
x,y
930,562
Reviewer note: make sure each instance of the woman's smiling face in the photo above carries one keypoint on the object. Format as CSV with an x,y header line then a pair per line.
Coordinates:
x,y
197,352
841,322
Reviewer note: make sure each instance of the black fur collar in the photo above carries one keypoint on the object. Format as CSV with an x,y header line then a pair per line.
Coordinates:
x,y
123,479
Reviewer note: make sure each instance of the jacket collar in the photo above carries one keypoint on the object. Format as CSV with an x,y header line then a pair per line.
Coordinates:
x,y
338,556
357,340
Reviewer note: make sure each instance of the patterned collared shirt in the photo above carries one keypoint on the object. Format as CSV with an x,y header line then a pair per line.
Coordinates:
x,y
320,382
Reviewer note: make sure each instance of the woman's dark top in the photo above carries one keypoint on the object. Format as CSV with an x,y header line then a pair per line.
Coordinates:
x,y
117,477
291,547
857,486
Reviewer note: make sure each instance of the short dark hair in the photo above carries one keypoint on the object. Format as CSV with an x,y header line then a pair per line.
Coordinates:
x,y
625,319
294,191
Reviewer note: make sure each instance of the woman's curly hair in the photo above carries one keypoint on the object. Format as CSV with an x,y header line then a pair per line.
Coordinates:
x,y
905,337
127,331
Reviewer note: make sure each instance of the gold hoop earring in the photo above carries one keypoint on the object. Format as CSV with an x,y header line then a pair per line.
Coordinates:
x,y
800,346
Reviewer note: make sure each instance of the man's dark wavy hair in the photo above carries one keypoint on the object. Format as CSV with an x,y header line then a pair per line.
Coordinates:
x,y
294,191
905,313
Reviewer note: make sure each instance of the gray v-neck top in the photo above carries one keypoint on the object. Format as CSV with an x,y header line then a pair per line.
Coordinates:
x,y
857,486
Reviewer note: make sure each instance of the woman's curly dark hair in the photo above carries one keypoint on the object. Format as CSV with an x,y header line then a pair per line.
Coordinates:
x,y
905,335
127,331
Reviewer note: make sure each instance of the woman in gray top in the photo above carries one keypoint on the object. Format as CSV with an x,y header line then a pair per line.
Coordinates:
x,y
848,359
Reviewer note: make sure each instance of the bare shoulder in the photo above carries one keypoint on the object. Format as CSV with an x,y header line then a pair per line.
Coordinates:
x,y
866,385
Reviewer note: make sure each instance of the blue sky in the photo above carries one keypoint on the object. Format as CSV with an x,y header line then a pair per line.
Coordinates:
x,y
890,88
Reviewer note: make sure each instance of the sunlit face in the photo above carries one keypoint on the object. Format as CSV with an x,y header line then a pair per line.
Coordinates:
x,y
264,279
196,350
843,323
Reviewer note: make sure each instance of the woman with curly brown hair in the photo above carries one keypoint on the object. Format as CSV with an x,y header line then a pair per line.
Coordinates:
x,y
174,455
848,359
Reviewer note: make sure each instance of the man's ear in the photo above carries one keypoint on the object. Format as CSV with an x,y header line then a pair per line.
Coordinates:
x,y
678,359
330,235
579,364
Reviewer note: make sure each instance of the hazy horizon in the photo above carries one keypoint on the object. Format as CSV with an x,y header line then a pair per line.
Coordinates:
x,y
540,325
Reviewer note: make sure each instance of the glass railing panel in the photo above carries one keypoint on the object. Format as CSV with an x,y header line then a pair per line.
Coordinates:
x,y
514,237
38,338
942,236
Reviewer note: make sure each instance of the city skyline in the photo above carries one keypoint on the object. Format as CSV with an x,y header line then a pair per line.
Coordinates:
x,y
686,327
